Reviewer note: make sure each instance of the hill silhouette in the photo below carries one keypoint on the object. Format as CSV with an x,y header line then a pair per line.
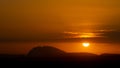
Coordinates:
x,y
45,51
51,56
48,51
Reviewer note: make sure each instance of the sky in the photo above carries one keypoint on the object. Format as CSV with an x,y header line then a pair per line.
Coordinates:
x,y
52,20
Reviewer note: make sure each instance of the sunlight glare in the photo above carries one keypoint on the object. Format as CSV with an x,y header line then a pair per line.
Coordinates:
x,y
86,44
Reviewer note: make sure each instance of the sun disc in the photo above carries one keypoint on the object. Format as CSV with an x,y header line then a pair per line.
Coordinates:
x,y
86,44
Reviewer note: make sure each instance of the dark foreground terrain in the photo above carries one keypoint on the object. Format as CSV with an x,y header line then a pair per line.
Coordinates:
x,y
83,60
50,57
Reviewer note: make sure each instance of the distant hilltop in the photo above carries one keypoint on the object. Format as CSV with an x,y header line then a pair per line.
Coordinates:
x,y
45,51
48,51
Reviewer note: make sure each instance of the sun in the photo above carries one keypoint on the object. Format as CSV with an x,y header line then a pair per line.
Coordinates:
x,y
86,44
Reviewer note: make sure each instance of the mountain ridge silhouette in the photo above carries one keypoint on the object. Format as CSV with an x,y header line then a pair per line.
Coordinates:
x,y
48,51
45,51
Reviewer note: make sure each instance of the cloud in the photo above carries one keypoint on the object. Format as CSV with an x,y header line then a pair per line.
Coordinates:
x,y
38,20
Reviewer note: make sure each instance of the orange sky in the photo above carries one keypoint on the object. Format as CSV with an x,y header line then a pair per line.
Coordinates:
x,y
28,19
60,20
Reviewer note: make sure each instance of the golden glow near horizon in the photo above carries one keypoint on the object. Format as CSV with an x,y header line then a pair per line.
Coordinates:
x,y
86,44
87,35
83,34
